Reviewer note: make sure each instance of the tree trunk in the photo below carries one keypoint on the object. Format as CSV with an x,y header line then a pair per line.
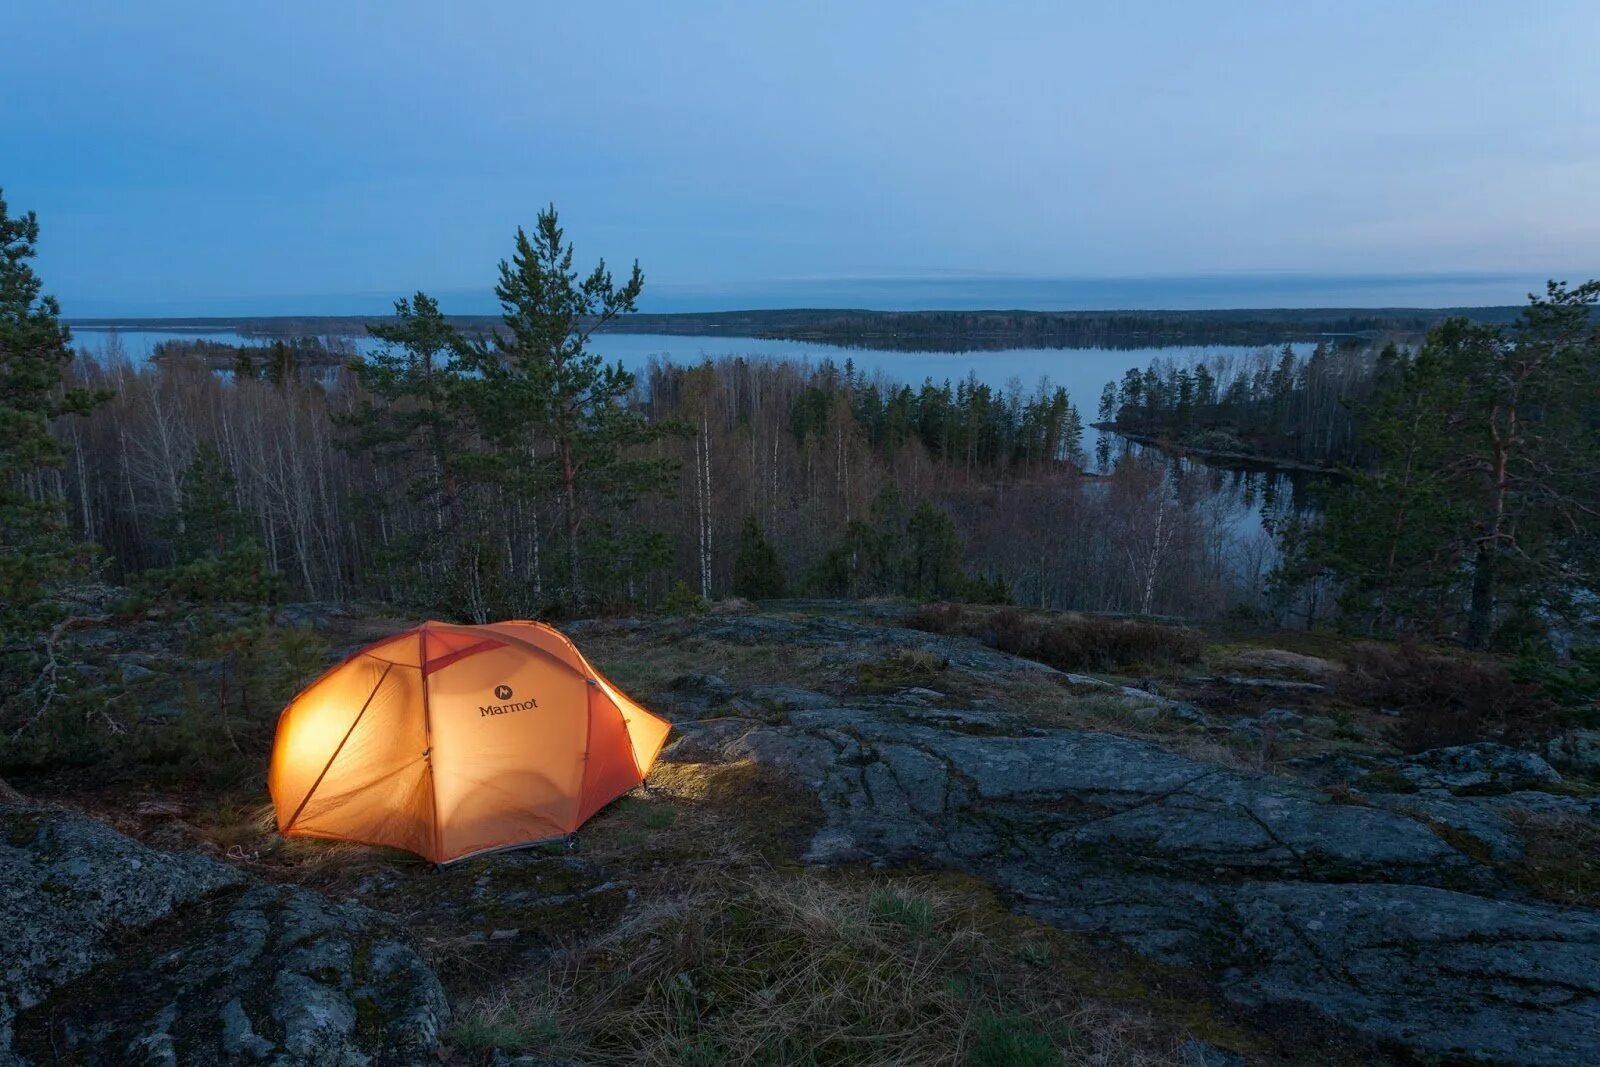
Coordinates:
x,y
1480,615
569,489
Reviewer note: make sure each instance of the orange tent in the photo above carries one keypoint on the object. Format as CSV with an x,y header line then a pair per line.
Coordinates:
x,y
449,741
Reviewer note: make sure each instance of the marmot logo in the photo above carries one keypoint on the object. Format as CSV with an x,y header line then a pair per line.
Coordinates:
x,y
503,694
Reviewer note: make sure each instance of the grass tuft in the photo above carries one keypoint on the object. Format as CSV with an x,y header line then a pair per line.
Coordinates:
x,y
496,1023
1011,1041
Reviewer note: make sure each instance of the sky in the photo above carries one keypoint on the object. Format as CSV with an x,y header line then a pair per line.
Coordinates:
x,y
217,159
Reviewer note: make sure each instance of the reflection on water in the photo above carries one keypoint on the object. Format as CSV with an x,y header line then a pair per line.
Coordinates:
x,y
1083,372
1253,496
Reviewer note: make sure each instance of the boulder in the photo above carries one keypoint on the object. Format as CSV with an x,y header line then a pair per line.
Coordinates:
x,y
1282,718
275,974
787,697
114,952
1277,659
1483,766
693,696
1576,751
74,887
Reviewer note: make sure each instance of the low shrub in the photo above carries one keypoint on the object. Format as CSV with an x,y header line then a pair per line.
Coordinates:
x,y
1443,698
681,600
1571,684
1068,641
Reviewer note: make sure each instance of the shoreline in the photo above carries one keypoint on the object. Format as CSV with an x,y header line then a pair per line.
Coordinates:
x,y
1220,457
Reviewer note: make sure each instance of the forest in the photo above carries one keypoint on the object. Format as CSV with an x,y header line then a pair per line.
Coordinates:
x,y
355,485
1281,408
514,473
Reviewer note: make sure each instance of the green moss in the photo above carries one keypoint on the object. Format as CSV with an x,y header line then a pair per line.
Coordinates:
x,y
370,1021
1386,780
361,959
912,914
902,670
1462,841
1011,1041
22,829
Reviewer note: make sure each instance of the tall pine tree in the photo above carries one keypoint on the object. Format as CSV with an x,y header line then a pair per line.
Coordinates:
x,y
540,391
38,553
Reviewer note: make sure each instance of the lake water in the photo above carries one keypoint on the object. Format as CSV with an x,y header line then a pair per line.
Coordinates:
x,y
1083,372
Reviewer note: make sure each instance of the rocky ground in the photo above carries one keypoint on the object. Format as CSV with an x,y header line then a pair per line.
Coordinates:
x,y
1224,863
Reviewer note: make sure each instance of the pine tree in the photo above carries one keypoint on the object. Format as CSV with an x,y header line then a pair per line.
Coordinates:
x,y
757,571
1483,505
37,552
411,421
539,389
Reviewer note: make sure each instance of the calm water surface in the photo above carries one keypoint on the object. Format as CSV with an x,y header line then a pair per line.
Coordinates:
x,y
1082,371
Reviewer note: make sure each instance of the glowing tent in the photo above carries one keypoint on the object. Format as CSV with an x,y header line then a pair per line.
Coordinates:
x,y
449,741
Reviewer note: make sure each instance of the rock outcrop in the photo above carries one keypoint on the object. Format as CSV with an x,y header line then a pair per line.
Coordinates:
x,y
1384,913
112,952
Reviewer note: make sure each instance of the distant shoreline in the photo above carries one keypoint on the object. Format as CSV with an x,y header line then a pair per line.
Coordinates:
x,y
920,331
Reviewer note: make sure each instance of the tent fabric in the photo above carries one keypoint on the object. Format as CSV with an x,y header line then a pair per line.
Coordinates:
x,y
449,741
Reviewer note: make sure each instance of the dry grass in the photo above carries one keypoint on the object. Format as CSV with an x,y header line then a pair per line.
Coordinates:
x,y
1562,857
1068,641
803,969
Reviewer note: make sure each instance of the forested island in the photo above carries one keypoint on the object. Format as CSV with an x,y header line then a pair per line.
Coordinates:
x,y
928,331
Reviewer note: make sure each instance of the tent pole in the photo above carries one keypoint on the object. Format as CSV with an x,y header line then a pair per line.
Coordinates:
x,y
357,722
427,734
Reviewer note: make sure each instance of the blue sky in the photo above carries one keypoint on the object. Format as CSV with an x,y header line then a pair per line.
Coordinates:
x,y
212,159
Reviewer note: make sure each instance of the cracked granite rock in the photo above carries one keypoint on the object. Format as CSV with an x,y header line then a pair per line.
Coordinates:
x,y
1364,912
118,953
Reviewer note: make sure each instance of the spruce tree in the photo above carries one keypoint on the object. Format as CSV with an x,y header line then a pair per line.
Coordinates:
x,y
932,559
757,571
216,555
